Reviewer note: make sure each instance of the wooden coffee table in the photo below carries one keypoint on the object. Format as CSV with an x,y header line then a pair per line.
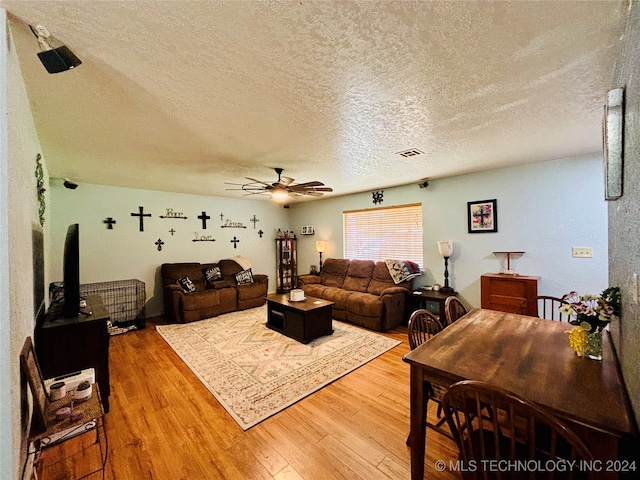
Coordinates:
x,y
303,321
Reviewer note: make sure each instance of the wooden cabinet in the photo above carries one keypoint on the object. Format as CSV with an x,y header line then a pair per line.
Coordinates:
x,y
506,293
66,345
286,268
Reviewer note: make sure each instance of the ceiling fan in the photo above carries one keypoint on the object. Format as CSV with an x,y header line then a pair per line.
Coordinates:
x,y
282,188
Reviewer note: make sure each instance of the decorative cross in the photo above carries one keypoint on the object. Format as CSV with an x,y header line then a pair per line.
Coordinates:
x,y
204,217
377,196
254,220
481,213
221,217
235,242
172,231
159,243
110,222
141,215
260,232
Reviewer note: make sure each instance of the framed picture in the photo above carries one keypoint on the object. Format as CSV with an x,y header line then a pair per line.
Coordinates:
x,y
482,216
30,369
612,143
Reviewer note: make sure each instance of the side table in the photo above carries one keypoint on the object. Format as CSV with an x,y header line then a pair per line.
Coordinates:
x,y
58,431
432,300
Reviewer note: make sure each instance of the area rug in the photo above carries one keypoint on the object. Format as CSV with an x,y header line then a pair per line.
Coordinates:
x,y
255,372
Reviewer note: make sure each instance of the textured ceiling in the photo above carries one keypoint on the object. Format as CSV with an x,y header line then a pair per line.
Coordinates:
x,y
185,96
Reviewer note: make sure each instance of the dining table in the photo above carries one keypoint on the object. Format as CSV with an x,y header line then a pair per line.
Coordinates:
x,y
531,357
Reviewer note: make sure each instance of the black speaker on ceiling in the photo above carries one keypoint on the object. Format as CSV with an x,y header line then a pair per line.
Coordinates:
x,y
59,59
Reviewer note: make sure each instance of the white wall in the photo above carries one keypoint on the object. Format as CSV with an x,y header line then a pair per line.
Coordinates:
x,y
543,209
18,226
124,252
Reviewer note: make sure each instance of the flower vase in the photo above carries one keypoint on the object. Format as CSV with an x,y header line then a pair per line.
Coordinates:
x,y
593,347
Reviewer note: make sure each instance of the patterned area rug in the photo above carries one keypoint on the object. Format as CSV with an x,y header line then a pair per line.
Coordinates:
x,y
255,372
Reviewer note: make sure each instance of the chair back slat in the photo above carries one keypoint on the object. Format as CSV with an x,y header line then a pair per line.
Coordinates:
x,y
422,326
453,309
488,422
546,306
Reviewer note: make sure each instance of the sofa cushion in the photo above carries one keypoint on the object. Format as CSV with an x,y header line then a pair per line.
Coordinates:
x,y
186,284
365,304
380,279
200,300
244,277
171,272
334,270
229,267
338,296
359,275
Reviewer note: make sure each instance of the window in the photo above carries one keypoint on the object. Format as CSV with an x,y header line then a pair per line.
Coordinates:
x,y
382,233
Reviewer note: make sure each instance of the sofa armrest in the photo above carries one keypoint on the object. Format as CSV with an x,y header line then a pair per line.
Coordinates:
x,y
260,278
393,291
308,280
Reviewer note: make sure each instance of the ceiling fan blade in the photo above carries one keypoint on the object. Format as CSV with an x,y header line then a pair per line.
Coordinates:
x,y
312,193
286,181
305,188
258,181
310,184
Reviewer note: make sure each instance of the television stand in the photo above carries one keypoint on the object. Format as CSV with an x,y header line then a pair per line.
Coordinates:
x,y
66,345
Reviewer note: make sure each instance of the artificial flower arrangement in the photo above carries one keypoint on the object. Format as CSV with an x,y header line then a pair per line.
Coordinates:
x,y
590,314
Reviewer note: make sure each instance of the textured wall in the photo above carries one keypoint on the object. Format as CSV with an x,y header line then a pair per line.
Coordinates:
x,y
125,252
542,210
624,214
19,209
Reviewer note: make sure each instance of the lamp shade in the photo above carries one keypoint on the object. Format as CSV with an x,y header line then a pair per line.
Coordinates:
x,y
320,246
445,248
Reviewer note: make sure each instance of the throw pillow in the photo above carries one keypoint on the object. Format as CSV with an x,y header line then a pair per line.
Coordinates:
x,y
244,277
210,275
186,284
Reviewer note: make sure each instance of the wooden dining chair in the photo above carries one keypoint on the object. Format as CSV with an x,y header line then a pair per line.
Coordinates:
x,y
422,326
547,307
491,423
453,309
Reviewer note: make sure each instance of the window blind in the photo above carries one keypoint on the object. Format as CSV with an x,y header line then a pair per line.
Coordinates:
x,y
384,233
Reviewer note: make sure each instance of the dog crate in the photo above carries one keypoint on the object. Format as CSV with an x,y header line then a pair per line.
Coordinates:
x,y
124,300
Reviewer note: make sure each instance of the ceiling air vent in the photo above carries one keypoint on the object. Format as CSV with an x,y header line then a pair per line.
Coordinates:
x,y
412,152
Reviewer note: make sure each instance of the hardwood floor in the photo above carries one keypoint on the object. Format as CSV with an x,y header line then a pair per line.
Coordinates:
x,y
165,425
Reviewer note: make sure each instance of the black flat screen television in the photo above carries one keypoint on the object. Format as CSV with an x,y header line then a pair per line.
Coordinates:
x,y
71,272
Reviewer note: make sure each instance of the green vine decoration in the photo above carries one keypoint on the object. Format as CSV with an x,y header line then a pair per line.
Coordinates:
x,y
40,189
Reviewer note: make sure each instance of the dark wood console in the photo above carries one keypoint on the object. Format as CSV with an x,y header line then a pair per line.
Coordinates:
x,y
66,345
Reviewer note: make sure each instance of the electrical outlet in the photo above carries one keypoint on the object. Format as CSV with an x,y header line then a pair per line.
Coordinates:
x,y
582,252
634,287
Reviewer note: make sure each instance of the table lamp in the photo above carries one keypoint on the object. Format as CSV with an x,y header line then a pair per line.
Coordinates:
x,y
320,246
446,250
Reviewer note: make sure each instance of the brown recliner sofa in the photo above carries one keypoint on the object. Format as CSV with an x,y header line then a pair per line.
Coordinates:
x,y
363,292
221,296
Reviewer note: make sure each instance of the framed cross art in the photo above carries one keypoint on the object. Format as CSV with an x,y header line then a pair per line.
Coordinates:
x,y
482,216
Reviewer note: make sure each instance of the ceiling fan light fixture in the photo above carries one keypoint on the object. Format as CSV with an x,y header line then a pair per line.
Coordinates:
x,y
279,193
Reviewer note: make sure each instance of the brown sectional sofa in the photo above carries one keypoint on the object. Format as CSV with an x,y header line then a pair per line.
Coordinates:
x,y
222,296
363,292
